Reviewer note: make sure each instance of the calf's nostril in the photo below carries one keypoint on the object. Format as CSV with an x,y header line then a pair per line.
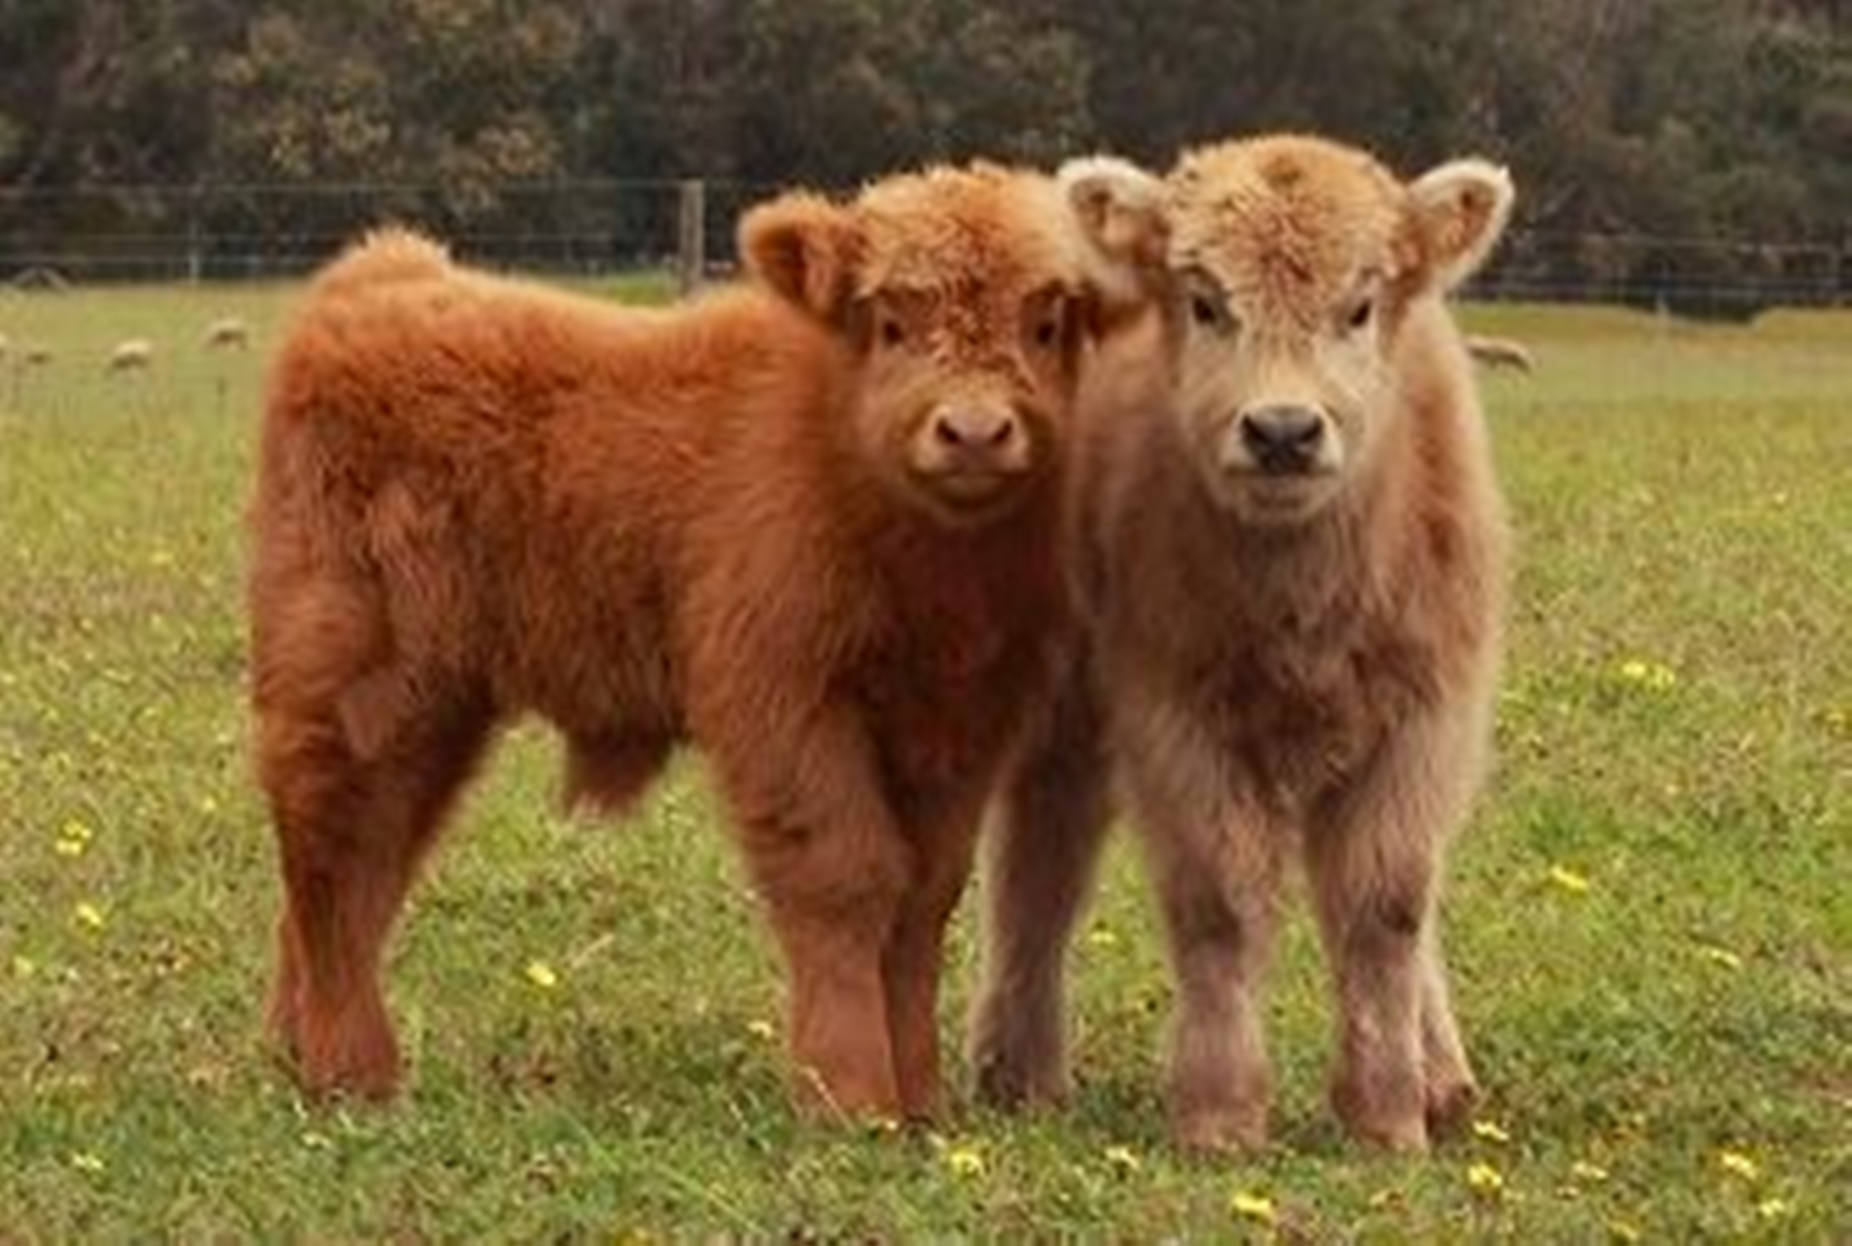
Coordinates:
x,y
1002,433
946,431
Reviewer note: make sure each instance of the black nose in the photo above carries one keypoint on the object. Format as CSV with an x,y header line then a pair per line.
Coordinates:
x,y
974,428
1283,438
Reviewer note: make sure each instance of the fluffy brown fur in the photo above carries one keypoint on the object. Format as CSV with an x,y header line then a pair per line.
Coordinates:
x,y
1292,562
806,522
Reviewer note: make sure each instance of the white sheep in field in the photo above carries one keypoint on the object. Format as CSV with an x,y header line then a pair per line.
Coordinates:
x,y
228,331
132,355
1499,352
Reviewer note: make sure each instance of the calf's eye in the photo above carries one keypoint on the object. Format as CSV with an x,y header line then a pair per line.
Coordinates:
x,y
1204,310
892,334
1360,314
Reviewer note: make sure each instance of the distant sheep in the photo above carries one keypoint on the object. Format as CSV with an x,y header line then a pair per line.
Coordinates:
x,y
226,332
135,354
1499,352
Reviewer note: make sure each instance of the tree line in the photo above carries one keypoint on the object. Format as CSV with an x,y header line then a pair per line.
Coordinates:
x,y
1675,119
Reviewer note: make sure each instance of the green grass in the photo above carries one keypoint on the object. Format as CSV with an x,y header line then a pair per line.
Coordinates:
x,y
1676,729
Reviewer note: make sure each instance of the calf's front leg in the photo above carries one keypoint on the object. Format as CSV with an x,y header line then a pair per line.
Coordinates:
x,y
1374,856
833,870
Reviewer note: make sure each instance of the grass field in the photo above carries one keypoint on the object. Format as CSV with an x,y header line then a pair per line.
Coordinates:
x,y
1651,917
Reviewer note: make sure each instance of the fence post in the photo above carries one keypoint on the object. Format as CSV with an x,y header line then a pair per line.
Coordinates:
x,y
691,242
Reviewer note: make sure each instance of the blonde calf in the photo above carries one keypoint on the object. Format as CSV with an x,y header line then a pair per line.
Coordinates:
x,y
1290,555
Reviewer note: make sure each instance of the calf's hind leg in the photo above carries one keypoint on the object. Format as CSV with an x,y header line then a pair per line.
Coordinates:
x,y
1042,844
351,832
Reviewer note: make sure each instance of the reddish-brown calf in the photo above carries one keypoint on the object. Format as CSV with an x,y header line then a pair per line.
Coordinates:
x,y
806,522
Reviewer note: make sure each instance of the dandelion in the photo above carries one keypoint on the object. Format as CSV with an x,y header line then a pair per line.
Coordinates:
x,y
1485,1179
542,975
88,915
1773,1208
1582,1170
761,1030
1254,1207
1737,1165
1491,1131
1102,937
965,1161
208,804
1720,956
1123,1157
73,838
1653,676
86,1161
24,967
1570,881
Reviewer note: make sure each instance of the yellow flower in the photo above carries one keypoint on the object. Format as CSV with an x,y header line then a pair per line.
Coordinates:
x,y
1569,880
76,830
1773,1208
1737,1164
161,558
542,975
1652,675
1490,1131
1485,1179
24,967
1102,937
1254,1207
208,804
1123,1157
1721,956
1622,1231
760,1030
86,1161
1582,1170
965,1161
88,915
70,847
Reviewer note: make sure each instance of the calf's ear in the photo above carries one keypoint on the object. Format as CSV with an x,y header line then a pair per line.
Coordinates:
x,y
805,248
1461,208
1119,210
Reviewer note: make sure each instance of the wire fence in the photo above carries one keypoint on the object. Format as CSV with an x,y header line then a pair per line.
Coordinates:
x,y
145,233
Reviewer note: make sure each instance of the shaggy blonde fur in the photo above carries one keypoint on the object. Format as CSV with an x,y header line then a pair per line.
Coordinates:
x,y
1290,552
807,522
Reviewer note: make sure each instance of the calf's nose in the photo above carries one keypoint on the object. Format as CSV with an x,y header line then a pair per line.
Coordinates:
x,y
976,428
1282,438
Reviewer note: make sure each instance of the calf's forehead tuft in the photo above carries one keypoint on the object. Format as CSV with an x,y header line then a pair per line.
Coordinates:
x,y
964,232
1286,213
